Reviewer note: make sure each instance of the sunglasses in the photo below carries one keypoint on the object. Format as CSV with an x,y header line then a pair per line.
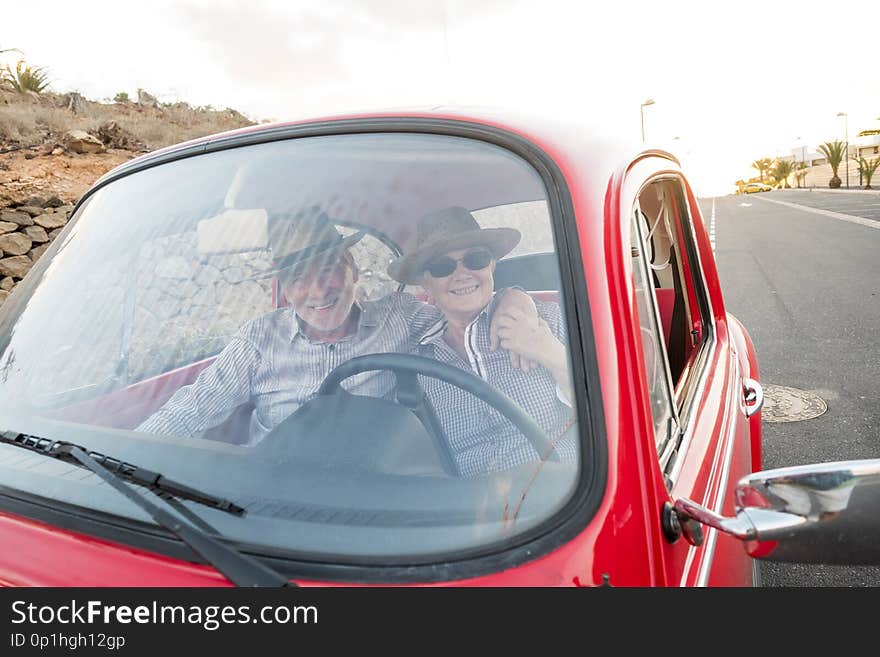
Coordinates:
x,y
473,259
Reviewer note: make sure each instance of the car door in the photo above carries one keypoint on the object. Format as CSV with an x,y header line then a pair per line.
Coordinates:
x,y
692,376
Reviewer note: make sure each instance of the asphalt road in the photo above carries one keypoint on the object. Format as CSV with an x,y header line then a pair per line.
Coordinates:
x,y
858,204
807,288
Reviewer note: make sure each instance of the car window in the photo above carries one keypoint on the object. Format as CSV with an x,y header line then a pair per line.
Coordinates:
x,y
531,218
373,255
653,344
674,309
170,329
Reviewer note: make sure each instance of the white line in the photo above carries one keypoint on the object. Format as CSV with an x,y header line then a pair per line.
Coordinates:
x,y
827,213
819,190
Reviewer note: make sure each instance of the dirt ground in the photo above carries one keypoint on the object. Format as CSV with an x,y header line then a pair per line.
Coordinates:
x,y
25,173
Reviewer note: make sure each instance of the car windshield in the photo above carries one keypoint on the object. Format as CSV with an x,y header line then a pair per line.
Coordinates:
x,y
184,322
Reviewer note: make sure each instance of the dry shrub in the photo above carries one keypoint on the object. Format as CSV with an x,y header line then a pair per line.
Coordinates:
x,y
22,125
153,131
27,121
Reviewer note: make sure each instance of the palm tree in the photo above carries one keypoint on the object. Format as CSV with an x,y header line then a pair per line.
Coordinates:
x,y
763,165
782,171
834,152
867,169
800,172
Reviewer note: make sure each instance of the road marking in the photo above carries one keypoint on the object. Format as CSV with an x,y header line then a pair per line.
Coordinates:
x,y
745,205
712,226
827,213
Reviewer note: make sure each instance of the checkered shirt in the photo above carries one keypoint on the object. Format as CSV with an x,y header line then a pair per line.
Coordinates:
x,y
273,364
482,439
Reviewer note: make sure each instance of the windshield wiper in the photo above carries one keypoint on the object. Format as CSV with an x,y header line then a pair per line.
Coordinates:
x,y
239,568
159,484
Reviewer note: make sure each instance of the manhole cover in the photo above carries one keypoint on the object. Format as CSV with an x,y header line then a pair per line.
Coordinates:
x,y
783,404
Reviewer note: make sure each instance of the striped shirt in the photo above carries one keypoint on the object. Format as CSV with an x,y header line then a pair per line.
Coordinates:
x,y
482,439
274,365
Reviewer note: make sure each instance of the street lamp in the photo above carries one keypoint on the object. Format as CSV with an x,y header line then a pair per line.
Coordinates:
x,y
846,158
642,110
803,160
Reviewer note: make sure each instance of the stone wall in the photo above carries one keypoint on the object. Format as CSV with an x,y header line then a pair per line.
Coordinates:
x,y
189,305
26,230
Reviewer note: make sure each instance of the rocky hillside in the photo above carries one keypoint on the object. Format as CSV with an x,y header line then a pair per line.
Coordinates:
x,y
54,146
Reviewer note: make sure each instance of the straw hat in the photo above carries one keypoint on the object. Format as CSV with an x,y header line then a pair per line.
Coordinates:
x,y
447,230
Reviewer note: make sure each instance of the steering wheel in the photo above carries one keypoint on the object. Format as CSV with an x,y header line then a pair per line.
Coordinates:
x,y
410,394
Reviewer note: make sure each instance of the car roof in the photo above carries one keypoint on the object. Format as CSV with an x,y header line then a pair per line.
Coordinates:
x,y
563,139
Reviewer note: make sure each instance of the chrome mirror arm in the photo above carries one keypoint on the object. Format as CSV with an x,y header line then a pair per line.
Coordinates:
x,y
739,526
751,524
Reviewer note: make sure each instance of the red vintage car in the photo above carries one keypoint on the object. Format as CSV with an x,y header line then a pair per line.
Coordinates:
x,y
172,416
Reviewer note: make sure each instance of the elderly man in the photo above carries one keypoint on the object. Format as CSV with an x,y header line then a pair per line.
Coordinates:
x,y
278,361
455,262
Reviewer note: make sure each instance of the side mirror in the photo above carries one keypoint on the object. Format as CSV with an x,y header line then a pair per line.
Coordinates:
x,y
822,513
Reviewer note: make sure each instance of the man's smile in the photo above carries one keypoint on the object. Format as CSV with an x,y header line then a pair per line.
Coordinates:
x,y
324,305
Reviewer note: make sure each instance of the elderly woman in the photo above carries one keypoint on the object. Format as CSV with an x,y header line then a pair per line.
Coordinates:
x,y
454,261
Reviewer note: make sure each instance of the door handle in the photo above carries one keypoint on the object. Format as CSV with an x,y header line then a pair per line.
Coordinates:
x,y
753,396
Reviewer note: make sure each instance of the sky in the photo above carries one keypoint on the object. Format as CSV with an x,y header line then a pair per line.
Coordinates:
x,y
731,82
